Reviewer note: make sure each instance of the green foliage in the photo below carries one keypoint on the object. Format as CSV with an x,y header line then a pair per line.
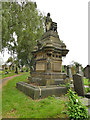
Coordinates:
x,y
68,85
86,81
26,22
76,110
87,89
63,70
10,59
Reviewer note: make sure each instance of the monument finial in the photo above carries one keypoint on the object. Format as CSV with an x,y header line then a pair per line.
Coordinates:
x,y
50,25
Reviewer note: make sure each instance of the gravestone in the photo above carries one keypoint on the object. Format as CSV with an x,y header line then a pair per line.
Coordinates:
x,y
79,69
73,71
78,84
21,69
16,70
13,67
46,65
6,72
87,72
69,73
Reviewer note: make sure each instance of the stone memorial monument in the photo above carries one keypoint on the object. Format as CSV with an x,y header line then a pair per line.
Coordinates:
x,y
46,70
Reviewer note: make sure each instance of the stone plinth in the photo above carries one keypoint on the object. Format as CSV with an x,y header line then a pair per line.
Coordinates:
x,y
47,78
37,92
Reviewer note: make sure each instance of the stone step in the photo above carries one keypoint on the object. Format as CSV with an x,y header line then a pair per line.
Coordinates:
x,y
39,92
59,81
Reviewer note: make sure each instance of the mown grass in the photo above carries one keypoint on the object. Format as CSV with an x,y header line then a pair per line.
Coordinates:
x,y
87,89
16,104
86,81
10,73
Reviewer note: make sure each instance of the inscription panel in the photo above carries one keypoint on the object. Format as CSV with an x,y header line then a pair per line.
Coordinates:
x,y
57,66
40,66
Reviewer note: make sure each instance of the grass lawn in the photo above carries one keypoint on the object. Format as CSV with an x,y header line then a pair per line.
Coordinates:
x,y
86,81
11,73
16,104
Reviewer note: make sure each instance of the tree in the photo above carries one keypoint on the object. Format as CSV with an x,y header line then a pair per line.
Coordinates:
x,y
10,59
27,23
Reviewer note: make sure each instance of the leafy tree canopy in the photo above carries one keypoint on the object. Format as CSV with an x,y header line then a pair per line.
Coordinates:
x,y
24,20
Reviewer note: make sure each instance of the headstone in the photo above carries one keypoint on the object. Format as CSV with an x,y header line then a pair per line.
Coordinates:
x,y
16,71
6,72
21,69
78,84
87,71
69,71
12,67
79,70
73,70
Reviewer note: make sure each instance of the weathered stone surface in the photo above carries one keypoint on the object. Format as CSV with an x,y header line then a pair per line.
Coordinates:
x,y
69,73
79,70
46,65
87,71
37,92
78,84
49,60
47,78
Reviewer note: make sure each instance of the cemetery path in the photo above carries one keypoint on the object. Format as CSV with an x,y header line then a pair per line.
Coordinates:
x,y
5,80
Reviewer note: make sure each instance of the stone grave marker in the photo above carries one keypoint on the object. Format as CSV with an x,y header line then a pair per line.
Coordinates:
x,y
87,71
78,84
69,73
16,70
79,70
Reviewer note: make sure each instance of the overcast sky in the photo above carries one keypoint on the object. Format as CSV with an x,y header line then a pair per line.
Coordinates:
x,y
72,22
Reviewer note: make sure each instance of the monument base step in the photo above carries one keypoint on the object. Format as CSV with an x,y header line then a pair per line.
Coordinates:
x,y
59,81
45,82
37,92
44,79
